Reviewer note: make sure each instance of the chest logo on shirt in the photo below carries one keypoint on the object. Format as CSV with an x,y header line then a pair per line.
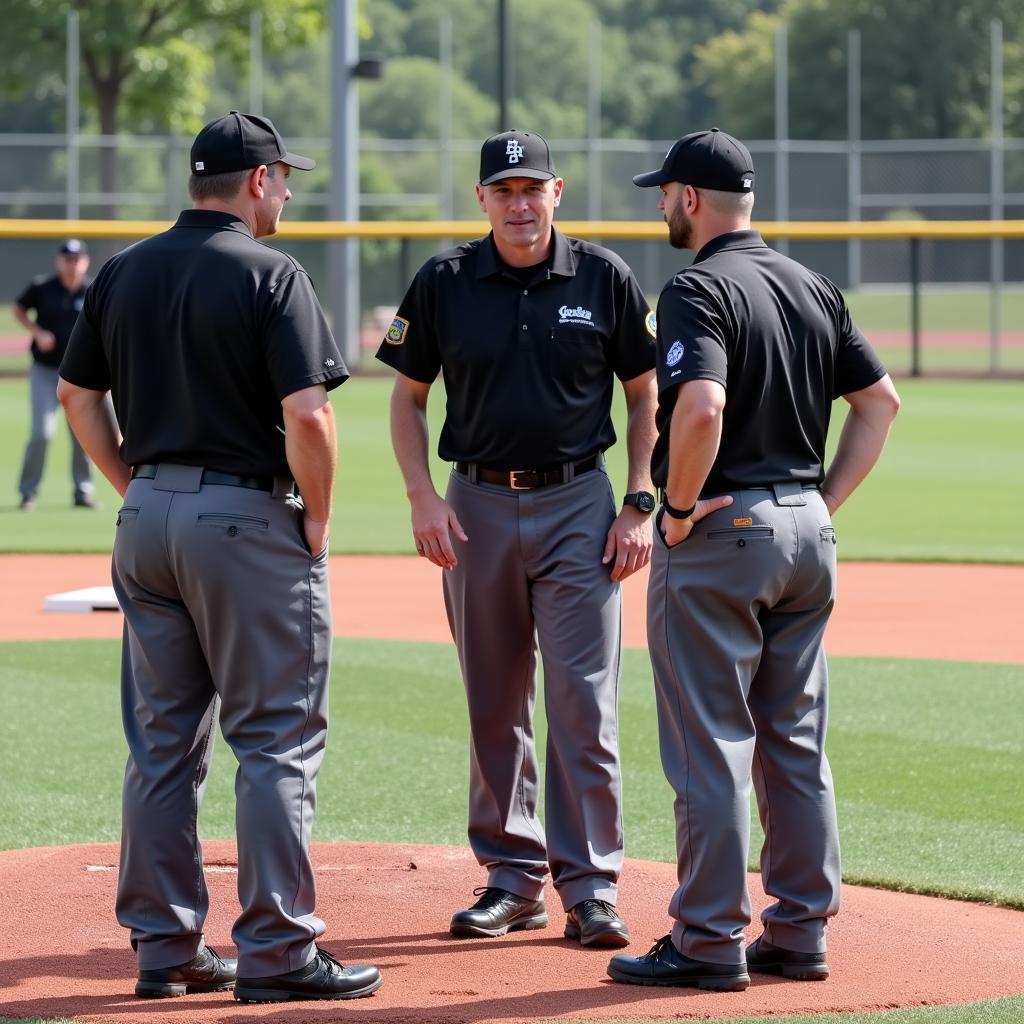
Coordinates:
x,y
651,323
396,332
675,353
576,315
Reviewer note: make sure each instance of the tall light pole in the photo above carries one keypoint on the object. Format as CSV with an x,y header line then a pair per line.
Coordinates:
x,y
343,197
504,65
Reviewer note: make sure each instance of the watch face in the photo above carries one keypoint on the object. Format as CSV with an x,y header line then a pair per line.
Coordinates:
x,y
645,501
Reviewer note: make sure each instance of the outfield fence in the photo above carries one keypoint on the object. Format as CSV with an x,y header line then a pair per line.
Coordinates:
x,y
922,323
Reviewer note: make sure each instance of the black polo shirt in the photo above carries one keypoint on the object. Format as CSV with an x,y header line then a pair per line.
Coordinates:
x,y
779,338
529,358
56,311
199,333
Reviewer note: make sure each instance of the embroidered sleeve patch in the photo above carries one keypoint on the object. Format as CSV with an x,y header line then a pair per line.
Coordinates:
x,y
651,323
397,330
675,353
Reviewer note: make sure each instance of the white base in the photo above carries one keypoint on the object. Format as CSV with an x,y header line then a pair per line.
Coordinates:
x,y
89,599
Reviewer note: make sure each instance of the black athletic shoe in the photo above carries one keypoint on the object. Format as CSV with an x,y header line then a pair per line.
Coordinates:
x,y
665,965
765,958
322,978
594,923
205,972
85,501
497,912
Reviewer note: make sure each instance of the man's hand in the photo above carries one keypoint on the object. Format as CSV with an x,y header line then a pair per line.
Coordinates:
x,y
675,531
46,341
316,535
433,523
628,547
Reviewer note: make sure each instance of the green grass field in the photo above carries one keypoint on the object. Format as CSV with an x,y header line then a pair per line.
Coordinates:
x,y
946,489
926,754
926,757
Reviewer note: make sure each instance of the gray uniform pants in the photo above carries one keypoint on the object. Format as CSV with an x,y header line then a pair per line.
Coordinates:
x,y
226,615
43,392
531,573
736,615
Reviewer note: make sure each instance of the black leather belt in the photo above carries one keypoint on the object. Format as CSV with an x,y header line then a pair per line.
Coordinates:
x,y
147,471
528,479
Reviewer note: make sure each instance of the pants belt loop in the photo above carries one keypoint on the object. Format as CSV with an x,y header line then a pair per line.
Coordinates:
x,y
568,472
472,475
283,487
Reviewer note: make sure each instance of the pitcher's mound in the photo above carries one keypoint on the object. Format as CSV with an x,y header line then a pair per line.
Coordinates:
x,y
63,955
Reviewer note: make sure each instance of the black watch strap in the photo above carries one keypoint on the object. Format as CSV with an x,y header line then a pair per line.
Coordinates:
x,y
642,500
677,513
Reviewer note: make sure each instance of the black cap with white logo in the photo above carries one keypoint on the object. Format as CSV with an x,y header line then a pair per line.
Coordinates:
x,y
515,154
710,159
240,142
73,247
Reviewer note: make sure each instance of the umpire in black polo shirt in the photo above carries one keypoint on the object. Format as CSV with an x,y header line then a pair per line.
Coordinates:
x,y
56,301
219,360
530,329
753,349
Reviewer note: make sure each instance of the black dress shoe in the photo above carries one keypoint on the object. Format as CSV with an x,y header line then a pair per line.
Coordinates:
x,y
205,972
322,978
665,965
595,923
497,912
765,958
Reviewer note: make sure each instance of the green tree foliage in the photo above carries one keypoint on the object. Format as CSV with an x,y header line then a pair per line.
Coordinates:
x,y
146,63
924,68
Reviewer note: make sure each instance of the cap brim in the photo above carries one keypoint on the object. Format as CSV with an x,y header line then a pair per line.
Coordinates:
x,y
649,178
518,172
300,163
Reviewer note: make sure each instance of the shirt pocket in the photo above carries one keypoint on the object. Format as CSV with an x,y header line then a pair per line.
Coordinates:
x,y
578,350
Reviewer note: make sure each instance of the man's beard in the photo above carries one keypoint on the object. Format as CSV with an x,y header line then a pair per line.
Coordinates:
x,y
680,229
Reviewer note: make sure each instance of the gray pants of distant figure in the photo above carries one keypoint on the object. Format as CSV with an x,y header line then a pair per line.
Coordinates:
x,y
736,615
43,387
531,573
227,616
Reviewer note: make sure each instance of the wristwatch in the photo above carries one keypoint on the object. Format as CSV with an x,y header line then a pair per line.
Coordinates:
x,y
643,501
677,513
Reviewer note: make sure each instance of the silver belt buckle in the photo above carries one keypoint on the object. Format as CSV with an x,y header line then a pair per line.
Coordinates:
x,y
514,483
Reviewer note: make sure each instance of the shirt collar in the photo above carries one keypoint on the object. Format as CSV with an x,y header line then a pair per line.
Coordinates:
x,y
730,241
563,263
211,220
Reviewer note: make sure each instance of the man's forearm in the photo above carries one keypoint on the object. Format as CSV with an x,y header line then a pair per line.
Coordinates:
x,y
311,446
695,436
21,315
641,432
409,438
92,419
861,442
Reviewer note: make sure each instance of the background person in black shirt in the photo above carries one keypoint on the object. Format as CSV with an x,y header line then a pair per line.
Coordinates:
x,y
56,302
530,330
219,359
752,350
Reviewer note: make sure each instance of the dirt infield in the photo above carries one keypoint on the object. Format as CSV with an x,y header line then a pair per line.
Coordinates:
x,y
389,905
959,612
62,953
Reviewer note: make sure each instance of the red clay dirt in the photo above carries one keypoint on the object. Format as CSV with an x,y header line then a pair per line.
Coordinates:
x,y
62,953
897,610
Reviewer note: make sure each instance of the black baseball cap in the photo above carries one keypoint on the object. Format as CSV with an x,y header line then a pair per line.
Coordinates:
x,y
73,247
515,154
239,142
710,159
